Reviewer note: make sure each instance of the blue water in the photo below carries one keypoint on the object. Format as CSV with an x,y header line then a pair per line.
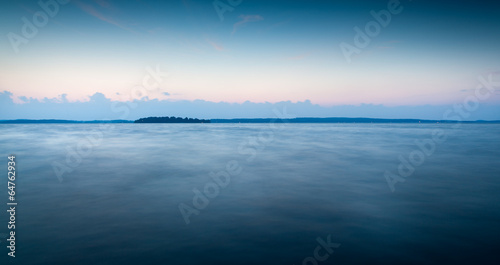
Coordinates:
x,y
118,200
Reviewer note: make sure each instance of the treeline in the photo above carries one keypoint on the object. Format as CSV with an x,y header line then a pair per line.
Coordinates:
x,y
170,120
26,121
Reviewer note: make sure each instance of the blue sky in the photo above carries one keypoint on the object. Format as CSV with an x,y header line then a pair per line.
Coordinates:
x,y
429,56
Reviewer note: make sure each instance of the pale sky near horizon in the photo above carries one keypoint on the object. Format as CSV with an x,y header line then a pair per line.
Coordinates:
x,y
262,51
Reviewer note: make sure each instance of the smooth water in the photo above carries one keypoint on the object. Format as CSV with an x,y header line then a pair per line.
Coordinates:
x,y
298,182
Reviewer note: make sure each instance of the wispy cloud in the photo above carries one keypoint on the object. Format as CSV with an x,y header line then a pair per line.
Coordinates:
x,y
299,57
89,9
244,19
215,45
103,3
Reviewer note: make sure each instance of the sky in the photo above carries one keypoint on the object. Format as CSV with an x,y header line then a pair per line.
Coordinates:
x,y
234,58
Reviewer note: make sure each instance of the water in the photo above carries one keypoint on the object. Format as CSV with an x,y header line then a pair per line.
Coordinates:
x,y
120,203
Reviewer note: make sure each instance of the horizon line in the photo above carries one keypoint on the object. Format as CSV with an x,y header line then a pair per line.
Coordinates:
x,y
258,120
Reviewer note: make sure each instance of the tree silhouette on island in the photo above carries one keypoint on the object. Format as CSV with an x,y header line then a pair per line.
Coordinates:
x,y
170,120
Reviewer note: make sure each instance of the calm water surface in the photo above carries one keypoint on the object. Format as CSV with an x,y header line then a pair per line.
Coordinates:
x,y
120,202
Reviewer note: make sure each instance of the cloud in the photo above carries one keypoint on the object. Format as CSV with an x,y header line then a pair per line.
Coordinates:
x,y
246,19
93,12
100,107
299,57
103,3
215,45
98,98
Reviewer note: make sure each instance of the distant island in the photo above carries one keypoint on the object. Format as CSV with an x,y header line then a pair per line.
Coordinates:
x,y
246,120
170,120
52,121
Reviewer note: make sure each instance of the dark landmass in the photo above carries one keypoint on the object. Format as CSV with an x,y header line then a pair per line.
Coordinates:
x,y
170,120
25,121
263,120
